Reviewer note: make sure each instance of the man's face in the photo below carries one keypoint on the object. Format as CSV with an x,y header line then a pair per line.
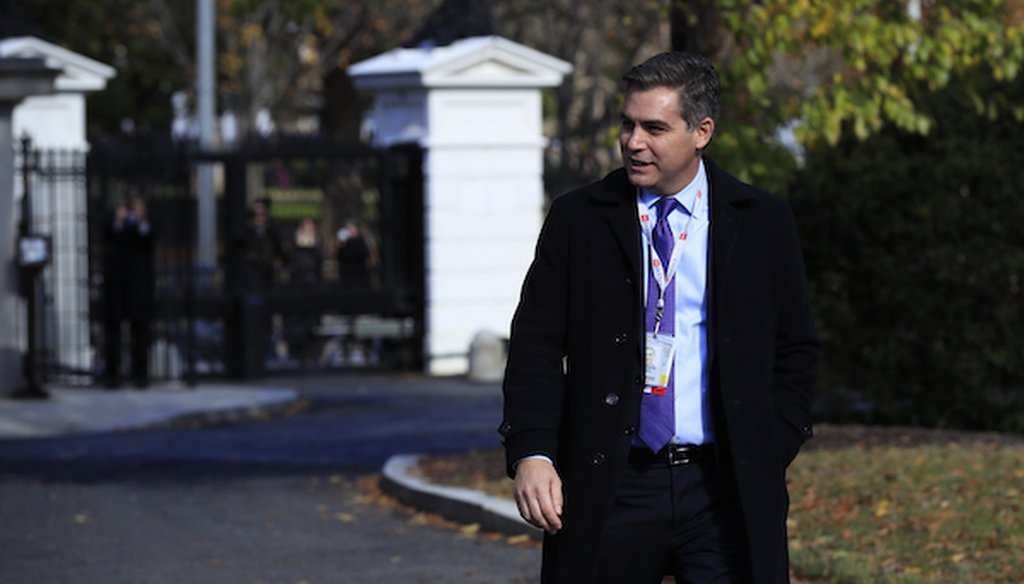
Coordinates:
x,y
658,150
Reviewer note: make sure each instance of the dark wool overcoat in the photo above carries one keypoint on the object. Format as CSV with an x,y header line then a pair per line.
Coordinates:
x,y
575,374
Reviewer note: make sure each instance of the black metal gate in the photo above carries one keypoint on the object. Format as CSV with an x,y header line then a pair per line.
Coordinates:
x,y
52,194
335,277
312,308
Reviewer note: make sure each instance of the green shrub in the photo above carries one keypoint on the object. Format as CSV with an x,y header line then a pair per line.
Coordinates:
x,y
915,255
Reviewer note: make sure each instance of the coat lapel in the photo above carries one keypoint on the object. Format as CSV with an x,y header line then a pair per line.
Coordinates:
x,y
727,199
617,194
727,196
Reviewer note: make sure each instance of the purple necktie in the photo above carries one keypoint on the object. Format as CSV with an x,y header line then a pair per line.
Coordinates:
x,y
657,412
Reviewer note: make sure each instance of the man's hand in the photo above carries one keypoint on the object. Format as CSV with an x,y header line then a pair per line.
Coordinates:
x,y
539,494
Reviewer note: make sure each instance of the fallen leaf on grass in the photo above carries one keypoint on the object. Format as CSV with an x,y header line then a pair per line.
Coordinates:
x,y
519,539
882,508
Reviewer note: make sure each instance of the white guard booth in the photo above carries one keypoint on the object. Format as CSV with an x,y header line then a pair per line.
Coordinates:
x,y
57,122
475,108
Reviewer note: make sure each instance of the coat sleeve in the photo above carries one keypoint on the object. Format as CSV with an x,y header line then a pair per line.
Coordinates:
x,y
534,385
796,347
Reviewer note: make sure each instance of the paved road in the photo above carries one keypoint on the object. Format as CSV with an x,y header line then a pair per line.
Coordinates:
x,y
269,502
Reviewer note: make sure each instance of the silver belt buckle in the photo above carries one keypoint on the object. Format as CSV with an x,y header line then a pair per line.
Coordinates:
x,y
679,455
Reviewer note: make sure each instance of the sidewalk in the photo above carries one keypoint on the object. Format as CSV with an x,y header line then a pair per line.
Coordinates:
x,y
82,410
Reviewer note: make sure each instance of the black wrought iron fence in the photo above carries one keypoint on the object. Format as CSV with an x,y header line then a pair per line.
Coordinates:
x,y
52,190
342,287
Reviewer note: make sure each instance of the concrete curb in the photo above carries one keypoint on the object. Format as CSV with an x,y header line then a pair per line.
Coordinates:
x,y
455,503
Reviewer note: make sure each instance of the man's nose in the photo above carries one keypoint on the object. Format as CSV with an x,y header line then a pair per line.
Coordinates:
x,y
635,140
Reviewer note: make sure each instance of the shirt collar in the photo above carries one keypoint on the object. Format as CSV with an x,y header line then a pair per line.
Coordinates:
x,y
685,197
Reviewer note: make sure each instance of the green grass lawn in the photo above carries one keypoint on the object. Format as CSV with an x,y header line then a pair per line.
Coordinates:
x,y
920,514
876,505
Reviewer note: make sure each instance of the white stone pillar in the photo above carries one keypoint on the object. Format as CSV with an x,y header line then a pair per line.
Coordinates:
x,y
475,107
57,123
19,78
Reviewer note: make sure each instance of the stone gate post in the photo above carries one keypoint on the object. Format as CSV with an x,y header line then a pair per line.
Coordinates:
x,y
19,79
475,108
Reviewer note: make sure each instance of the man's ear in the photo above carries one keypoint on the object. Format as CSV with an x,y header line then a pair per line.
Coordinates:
x,y
703,133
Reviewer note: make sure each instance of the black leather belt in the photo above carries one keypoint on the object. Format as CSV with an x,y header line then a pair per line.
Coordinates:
x,y
673,454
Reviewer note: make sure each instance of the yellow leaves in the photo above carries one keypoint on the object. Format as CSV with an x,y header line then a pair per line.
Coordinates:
x,y
230,63
819,29
519,539
808,52
882,508
322,22
250,33
923,124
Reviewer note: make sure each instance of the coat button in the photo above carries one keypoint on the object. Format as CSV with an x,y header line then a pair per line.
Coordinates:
x,y
612,399
629,280
598,459
629,430
638,380
621,338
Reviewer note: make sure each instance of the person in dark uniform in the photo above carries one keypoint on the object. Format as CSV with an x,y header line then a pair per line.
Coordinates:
x,y
264,250
128,290
353,255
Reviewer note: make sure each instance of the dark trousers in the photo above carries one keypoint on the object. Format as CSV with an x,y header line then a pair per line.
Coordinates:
x,y
138,331
677,520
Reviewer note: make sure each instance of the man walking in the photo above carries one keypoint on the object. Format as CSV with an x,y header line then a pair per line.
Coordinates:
x,y
662,358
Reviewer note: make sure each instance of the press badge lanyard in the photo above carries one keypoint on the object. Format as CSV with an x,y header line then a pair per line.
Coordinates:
x,y
662,276
659,348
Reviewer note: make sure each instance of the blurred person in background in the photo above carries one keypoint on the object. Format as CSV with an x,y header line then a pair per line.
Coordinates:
x,y
264,251
353,255
128,289
307,254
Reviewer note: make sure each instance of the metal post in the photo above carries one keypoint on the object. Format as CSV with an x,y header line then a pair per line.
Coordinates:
x,y
205,101
33,389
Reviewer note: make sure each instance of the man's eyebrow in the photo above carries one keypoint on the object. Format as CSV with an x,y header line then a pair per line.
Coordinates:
x,y
649,121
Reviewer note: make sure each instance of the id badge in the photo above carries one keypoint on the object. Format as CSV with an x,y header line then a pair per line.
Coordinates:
x,y
658,360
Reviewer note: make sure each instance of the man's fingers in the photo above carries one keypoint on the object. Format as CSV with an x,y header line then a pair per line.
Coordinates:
x,y
538,494
540,511
556,497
